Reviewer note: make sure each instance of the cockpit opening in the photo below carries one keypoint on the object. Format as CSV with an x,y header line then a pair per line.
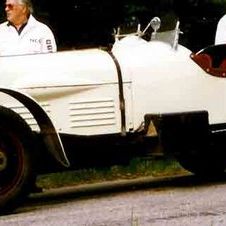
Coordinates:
x,y
212,60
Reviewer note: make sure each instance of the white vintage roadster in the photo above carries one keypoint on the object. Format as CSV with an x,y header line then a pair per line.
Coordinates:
x,y
54,108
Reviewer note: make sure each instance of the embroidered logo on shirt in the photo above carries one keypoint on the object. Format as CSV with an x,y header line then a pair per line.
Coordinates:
x,y
34,40
49,45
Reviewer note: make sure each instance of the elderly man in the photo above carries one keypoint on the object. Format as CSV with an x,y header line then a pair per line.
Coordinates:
x,y
22,33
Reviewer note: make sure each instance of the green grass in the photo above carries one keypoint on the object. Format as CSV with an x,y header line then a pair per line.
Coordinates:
x,y
137,168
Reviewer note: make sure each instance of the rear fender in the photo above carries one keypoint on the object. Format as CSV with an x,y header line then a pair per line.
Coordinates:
x,y
51,138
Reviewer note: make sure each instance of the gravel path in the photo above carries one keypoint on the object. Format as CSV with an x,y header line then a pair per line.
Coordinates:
x,y
200,204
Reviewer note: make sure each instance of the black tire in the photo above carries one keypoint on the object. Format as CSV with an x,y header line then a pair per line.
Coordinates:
x,y
204,163
16,160
200,166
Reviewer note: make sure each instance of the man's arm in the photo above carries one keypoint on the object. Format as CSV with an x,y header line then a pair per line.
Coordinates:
x,y
48,43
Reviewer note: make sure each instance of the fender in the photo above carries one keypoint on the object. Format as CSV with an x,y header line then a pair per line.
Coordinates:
x,y
51,137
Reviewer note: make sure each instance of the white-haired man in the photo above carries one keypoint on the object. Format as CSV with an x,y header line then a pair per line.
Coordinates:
x,y
22,33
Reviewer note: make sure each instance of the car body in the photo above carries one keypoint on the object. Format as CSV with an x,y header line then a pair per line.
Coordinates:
x,y
157,91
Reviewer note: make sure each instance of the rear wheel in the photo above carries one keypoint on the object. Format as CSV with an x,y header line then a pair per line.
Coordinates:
x,y
209,161
201,165
16,163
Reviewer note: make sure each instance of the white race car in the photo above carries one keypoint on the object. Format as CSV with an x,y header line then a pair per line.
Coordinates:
x,y
158,94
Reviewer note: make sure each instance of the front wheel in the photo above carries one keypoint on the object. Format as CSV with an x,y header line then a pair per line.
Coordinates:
x,y
16,159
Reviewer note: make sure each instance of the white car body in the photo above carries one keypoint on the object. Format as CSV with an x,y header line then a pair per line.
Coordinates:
x,y
79,89
155,93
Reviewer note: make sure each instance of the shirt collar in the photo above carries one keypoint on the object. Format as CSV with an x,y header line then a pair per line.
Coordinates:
x,y
21,28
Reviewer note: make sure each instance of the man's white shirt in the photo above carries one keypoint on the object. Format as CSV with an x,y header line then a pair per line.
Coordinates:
x,y
35,37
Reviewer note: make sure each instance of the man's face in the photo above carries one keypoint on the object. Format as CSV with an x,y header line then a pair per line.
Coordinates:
x,y
15,11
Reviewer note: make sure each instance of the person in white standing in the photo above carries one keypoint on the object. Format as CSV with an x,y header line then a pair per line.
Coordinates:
x,y
22,33
220,37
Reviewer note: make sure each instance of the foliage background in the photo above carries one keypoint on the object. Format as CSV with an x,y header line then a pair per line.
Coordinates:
x,y
85,23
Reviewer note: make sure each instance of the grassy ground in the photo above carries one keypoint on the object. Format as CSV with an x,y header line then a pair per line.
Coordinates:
x,y
137,168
